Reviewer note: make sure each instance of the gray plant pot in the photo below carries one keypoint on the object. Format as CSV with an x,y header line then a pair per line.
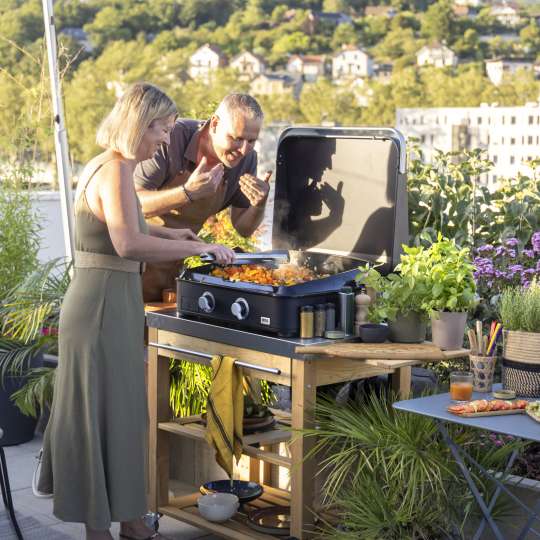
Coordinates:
x,y
408,328
448,329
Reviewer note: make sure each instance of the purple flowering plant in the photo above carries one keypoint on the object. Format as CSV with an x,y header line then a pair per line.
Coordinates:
x,y
498,266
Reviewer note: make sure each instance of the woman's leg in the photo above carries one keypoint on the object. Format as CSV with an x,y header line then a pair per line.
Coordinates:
x,y
91,534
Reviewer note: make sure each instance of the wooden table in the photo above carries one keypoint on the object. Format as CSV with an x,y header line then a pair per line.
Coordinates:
x,y
310,368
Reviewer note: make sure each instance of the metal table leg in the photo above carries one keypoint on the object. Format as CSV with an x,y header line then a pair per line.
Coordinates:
x,y
509,464
474,490
459,454
6,493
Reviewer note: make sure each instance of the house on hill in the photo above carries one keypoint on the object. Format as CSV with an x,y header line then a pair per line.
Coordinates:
x,y
437,55
205,60
351,62
248,64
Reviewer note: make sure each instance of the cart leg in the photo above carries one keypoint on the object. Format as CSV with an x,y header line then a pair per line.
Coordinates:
x,y
401,381
302,471
158,411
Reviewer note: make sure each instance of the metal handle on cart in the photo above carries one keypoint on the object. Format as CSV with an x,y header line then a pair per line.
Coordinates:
x,y
274,371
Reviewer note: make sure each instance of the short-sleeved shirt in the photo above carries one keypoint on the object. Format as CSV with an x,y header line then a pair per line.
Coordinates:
x,y
180,158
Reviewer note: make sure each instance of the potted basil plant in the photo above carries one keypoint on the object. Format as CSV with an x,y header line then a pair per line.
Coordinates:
x,y
449,272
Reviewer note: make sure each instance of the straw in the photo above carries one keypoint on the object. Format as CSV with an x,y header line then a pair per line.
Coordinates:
x,y
494,339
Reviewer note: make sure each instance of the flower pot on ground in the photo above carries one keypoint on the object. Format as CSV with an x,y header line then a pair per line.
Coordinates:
x,y
18,427
410,328
520,315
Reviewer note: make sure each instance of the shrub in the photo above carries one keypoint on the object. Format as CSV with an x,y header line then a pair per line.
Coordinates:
x,y
19,228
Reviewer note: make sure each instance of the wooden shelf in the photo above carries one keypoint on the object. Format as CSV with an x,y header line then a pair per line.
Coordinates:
x,y
193,428
236,528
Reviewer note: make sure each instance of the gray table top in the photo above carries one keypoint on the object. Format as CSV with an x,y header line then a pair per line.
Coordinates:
x,y
517,425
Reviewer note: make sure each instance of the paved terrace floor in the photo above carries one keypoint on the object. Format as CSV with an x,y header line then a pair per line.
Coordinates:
x,y
35,515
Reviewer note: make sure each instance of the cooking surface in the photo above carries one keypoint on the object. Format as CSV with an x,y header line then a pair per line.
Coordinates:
x,y
169,320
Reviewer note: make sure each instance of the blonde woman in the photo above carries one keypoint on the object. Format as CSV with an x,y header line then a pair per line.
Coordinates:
x,y
95,444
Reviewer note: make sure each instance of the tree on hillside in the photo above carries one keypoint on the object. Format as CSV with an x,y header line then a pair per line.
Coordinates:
x,y
324,102
438,21
530,39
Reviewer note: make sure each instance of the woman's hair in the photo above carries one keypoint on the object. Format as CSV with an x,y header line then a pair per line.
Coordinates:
x,y
123,128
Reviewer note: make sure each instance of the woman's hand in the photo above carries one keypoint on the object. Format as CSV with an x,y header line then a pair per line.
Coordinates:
x,y
223,255
184,234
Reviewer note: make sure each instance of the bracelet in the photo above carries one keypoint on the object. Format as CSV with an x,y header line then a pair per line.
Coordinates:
x,y
186,193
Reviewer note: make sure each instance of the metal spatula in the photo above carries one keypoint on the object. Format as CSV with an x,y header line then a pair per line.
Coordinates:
x,y
251,258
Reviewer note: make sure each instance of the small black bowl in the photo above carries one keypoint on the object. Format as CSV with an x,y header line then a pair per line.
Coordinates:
x,y
244,490
374,333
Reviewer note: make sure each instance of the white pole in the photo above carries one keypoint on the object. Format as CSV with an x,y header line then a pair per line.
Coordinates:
x,y
60,136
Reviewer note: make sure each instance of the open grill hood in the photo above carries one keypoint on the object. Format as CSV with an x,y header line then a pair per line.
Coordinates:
x,y
340,199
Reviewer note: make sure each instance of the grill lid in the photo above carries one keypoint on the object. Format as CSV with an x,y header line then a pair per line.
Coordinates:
x,y
341,191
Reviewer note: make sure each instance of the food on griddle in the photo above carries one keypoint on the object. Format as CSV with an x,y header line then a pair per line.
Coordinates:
x,y
484,405
285,274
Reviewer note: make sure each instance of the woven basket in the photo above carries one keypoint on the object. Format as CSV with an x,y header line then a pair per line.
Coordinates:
x,y
522,377
522,347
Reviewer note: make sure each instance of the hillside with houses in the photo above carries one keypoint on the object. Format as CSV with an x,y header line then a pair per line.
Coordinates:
x,y
313,61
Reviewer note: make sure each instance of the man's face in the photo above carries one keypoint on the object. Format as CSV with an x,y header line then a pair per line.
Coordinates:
x,y
233,137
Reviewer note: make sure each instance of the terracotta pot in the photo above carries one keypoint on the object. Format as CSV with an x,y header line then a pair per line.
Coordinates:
x,y
408,328
448,329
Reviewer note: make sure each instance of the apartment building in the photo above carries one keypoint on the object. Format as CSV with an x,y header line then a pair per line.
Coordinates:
x,y
510,135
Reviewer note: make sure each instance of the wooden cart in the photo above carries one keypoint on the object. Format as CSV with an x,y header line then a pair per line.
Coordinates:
x,y
317,366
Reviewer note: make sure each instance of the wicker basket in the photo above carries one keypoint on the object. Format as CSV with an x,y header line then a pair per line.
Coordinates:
x,y
523,347
522,377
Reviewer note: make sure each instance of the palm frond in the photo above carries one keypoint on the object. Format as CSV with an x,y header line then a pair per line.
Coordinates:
x,y
36,392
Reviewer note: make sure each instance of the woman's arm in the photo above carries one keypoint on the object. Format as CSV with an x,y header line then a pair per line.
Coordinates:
x,y
118,201
172,234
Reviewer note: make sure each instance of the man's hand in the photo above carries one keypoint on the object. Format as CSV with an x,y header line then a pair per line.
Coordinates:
x,y
254,189
202,182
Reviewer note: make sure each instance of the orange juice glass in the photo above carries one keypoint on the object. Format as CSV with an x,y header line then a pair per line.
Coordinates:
x,y
461,385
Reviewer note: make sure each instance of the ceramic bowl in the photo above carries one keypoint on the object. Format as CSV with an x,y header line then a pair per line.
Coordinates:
x,y
218,507
244,490
373,333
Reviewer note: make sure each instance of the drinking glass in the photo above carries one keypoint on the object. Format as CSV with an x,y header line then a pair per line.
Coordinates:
x,y
461,385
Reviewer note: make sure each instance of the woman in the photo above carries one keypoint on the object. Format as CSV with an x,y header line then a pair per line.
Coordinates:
x,y
94,457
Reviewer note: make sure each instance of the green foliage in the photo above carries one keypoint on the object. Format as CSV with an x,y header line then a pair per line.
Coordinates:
x,y
190,384
520,308
389,475
19,227
438,21
29,316
449,274
447,196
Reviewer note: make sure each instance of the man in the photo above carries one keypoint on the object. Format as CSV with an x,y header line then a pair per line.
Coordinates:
x,y
207,167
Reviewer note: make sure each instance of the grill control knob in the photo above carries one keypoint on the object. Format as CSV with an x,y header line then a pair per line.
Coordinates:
x,y
207,302
240,308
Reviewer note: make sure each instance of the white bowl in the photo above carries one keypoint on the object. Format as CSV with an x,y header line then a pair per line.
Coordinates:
x,y
218,507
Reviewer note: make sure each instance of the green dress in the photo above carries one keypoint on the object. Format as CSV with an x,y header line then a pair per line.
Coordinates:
x,y
95,444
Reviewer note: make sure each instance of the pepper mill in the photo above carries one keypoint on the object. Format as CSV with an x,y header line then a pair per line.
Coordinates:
x,y
362,301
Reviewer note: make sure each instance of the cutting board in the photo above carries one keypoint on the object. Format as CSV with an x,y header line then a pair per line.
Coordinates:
x,y
490,413
388,351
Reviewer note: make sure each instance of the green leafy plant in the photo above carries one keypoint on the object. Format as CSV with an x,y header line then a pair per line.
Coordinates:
x,y
19,227
387,474
520,308
450,274
30,314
